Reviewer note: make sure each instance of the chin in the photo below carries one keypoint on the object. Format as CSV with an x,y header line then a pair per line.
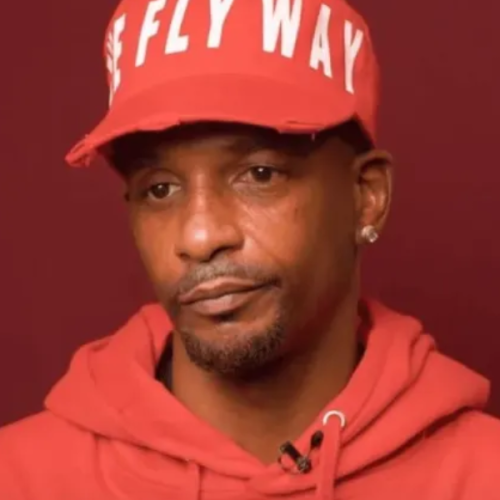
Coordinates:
x,y
234,349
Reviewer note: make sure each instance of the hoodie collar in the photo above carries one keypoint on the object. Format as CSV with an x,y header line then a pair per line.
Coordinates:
x,y
400,388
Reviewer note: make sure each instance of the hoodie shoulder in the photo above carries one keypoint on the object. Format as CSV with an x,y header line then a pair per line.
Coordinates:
x,y
472,454
33,451
479,437
43,436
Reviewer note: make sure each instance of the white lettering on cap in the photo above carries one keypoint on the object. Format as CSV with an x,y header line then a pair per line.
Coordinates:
x,y
281,19
320,51
150,27
175,41
219,9
352,48
114,49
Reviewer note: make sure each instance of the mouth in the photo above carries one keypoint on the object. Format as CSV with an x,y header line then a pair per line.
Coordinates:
x,y
220,297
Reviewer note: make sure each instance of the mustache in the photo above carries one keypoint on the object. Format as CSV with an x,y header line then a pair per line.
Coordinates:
x,y
223,269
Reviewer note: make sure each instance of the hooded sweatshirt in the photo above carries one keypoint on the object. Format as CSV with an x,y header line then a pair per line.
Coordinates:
x,y
408,425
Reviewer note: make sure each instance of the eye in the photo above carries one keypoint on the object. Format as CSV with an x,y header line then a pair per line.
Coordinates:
x,y
262,174
160,191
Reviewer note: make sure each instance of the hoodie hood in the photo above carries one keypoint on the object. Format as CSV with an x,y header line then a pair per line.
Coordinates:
x,y
402,388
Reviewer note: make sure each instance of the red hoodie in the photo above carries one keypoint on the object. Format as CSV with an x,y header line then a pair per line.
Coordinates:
x,y
413,431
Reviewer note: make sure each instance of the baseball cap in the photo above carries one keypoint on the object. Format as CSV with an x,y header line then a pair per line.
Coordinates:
x,y
296,66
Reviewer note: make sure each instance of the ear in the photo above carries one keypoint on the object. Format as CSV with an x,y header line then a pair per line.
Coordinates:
x,y
373,194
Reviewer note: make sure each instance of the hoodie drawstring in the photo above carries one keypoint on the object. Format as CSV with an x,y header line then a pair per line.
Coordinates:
x,y
329,455
335,421
194,480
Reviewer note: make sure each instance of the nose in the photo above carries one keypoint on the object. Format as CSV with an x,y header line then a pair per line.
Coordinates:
x,y
208,226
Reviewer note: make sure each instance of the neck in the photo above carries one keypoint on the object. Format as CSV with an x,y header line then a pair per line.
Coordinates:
x,y
262,414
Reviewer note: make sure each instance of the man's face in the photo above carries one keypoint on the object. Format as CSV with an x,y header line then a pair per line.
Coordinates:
x,y
248,236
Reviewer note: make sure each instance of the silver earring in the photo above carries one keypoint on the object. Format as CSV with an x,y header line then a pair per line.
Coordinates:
x,y
369,234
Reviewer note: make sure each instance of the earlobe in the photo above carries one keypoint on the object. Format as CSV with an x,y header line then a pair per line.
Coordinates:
x,y
374,192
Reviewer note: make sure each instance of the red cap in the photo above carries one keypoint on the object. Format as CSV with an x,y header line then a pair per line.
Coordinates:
x,y
298,66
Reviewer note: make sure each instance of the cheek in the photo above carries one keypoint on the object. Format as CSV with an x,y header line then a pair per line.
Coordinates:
x,y
151,236
312,239
275,234
296,232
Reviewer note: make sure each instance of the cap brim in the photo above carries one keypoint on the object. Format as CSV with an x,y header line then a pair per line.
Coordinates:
x,y
286,107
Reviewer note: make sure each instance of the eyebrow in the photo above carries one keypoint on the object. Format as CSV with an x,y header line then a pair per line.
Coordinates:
x,y
145,152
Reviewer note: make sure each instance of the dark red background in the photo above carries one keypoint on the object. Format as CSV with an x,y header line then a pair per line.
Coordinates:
x,y
68,267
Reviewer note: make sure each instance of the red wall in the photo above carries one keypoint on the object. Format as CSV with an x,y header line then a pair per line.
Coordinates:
x,y
69,271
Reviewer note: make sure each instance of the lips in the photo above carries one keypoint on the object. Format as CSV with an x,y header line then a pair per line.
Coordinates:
x,y
220,296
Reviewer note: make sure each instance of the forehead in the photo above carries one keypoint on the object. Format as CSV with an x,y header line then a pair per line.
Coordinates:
x,y
237,138
223,138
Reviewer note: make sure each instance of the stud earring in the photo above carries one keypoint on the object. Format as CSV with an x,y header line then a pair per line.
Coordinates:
x,y
369,234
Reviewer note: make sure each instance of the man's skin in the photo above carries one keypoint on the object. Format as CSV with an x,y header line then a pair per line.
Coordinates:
x,y
238,204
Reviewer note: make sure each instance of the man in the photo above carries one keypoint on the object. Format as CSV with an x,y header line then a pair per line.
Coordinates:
x,y
245,134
